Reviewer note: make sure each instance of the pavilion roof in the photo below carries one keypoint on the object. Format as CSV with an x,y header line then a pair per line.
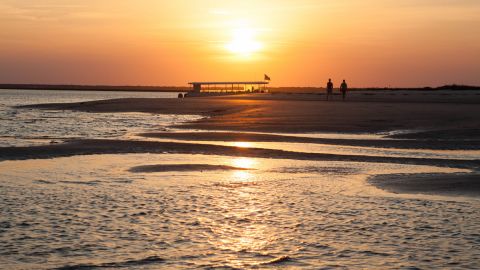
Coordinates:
x,y
215,83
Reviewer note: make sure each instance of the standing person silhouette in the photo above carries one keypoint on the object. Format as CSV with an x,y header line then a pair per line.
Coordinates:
x,y
343,89
329,88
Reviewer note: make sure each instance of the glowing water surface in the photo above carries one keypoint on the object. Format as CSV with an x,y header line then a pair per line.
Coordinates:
x,y
337,149
91,211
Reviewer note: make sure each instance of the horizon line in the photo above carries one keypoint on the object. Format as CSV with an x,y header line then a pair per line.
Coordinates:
x,y
52,86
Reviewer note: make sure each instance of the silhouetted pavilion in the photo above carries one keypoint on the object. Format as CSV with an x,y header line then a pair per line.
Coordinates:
x,y
253,86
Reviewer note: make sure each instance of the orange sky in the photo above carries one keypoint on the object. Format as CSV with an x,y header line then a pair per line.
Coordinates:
x,y
297,42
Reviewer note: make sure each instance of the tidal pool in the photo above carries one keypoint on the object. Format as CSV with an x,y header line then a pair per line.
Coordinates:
x,y
92,212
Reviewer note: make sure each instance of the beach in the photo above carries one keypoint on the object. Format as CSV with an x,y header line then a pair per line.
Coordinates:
x,y
436,120
364,112
244,181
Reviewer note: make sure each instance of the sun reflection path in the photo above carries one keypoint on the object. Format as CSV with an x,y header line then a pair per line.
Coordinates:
x,y
242,176
239,229
243,144
244,163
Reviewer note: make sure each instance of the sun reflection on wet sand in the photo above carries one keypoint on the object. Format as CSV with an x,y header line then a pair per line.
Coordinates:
x,y
242,144
244,163
335,149
241,176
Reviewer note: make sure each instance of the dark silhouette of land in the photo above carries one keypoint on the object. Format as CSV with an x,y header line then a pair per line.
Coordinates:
x,y
140,88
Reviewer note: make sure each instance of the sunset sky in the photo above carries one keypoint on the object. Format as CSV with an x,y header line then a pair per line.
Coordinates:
x,y
296,42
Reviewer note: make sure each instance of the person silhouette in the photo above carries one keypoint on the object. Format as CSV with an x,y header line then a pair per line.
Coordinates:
x,y
343,89
329,88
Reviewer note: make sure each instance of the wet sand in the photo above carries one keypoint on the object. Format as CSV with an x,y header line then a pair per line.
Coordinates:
x,y
431,184
427,143
97,146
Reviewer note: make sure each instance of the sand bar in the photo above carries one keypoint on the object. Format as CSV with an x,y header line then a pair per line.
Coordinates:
x,y
300,113
432,184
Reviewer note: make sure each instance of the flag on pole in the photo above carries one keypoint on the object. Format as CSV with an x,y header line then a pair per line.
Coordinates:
x,y
266,78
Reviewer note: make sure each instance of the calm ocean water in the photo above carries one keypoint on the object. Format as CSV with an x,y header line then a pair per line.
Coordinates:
x,y
93,212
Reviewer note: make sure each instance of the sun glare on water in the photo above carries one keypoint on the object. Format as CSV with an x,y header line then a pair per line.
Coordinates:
x,y
242,144
243,42
244,163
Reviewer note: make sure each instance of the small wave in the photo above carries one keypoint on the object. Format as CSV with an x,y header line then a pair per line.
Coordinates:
x,y
129,263
88,183
43,182
183,168
124,181
374,253
313,169
279,260
234,185
5,225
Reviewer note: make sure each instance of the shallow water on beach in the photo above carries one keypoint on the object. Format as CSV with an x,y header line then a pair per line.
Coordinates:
x,y
336,149
26,127
91,212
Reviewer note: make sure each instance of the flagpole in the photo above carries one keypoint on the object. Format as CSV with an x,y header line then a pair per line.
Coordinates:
x,y
265,78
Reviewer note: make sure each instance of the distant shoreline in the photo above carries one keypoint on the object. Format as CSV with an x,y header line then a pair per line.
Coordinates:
x,y
107,88
293,89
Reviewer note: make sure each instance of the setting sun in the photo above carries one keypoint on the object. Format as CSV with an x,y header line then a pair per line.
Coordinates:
x,y
243,42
